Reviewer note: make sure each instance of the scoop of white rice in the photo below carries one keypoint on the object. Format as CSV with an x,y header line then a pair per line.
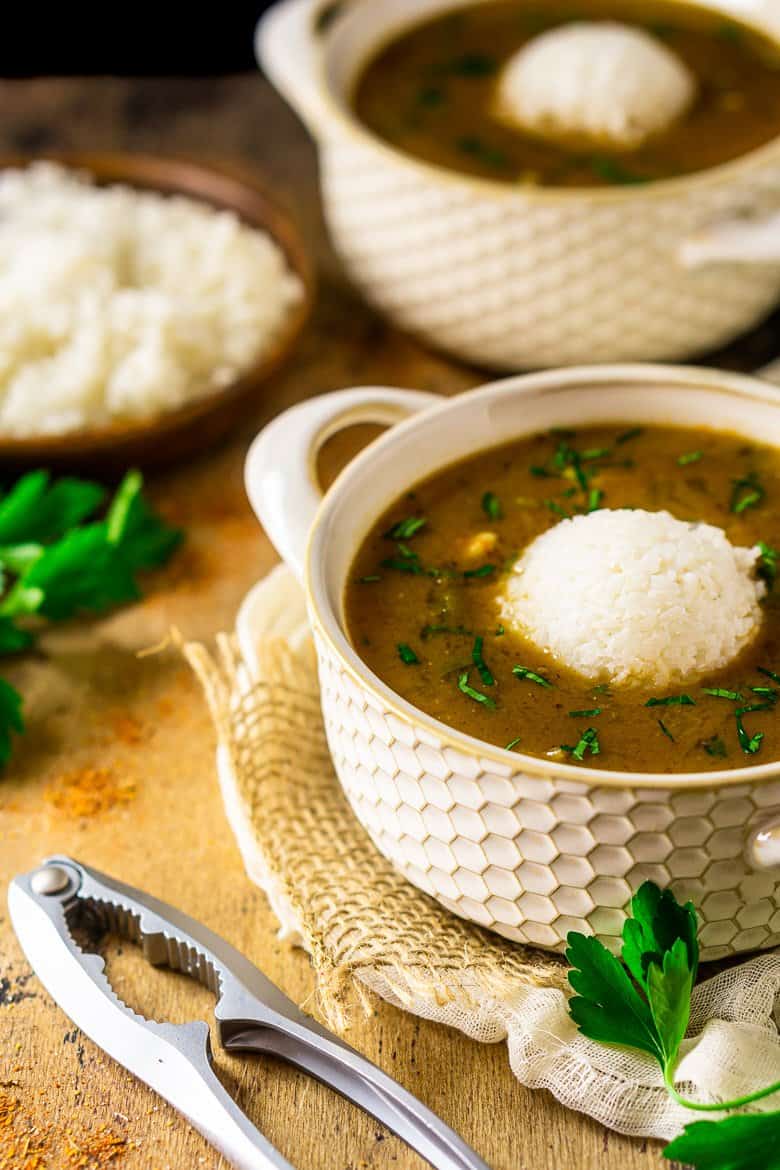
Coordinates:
x,y
636,597
116,303
606,81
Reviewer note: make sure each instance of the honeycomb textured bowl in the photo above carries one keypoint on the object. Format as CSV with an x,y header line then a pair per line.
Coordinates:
x,y
525,846
516,277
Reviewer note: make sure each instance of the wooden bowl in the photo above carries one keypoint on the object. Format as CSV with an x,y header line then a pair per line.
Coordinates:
x,y
187,430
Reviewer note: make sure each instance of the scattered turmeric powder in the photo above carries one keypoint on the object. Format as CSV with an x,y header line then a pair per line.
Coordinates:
x,y
88,792
94,1149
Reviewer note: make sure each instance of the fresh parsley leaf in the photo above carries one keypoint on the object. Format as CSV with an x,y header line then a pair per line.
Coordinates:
x,y
749,1141
607,1006
144,540
657,921
81,574
491,506
11,719
36,512
524,673
407,655
477,696
12,638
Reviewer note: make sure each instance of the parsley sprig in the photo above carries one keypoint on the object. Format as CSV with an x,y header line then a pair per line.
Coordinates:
x,y
642,1000
60,558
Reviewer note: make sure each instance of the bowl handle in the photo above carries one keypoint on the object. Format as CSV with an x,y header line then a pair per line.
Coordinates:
x,y
740,240
286,49
281,467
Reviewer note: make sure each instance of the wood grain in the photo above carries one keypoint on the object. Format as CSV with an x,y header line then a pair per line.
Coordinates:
x,y
141,722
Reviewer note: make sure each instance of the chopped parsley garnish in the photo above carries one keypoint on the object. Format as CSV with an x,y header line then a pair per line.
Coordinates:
x,y
747,492
626,436
750,744
672,701
524,673
769,673
369,580
473,65
666,730
595,496
482,571
588,742
408,564
722,693
690,457
715,747
427,631
766,692
512,744
767,564
491,506
481,665
477,696
595,453
405,529
407,655
591,714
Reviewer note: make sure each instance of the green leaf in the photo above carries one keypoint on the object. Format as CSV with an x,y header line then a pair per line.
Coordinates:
x,y
81,573
10,718
767,564
607,1006
34,512
407,655
669,988
491,506
745,1142
144,539
405,529
657,922
12,639
477,696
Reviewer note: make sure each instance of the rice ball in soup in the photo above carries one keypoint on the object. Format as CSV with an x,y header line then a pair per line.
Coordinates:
x,y
603,81
636,597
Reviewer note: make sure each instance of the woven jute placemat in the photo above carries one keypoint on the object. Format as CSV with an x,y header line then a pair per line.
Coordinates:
x,y
328,883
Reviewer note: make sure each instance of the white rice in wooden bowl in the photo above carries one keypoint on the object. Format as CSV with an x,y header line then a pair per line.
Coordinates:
x,y
118,304
636,597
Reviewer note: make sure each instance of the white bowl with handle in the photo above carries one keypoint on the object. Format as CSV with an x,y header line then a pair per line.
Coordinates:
x,y
513,277
528,847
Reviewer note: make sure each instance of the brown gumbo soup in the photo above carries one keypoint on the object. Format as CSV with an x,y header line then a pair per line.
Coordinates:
x,y
431,92
422,599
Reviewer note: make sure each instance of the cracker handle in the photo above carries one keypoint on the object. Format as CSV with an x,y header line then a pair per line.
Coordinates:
x,y
281,467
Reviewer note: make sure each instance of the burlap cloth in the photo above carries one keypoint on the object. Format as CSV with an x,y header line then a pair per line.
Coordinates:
x,y
368,930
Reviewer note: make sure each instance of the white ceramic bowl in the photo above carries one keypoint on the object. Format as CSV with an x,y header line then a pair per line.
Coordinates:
x,y
528,847
517,277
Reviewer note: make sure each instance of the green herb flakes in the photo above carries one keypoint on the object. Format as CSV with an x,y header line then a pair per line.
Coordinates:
x,y
672,701
500,631
775,677
767,564
556,508
477,696
479,662
523,672
491,506
512,744
715,747
747,492
690,457
482,571
595,496
407,655
370,580
722,693
406,529
588,742
591,714
666,730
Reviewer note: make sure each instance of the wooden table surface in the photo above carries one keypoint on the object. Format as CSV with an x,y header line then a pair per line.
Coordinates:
x,y
141,726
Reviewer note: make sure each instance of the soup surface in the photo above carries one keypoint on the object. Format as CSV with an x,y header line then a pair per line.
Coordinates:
x,y
431,93
423,599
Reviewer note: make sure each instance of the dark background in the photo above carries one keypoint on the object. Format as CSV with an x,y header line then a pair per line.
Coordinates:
x,y
135,39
